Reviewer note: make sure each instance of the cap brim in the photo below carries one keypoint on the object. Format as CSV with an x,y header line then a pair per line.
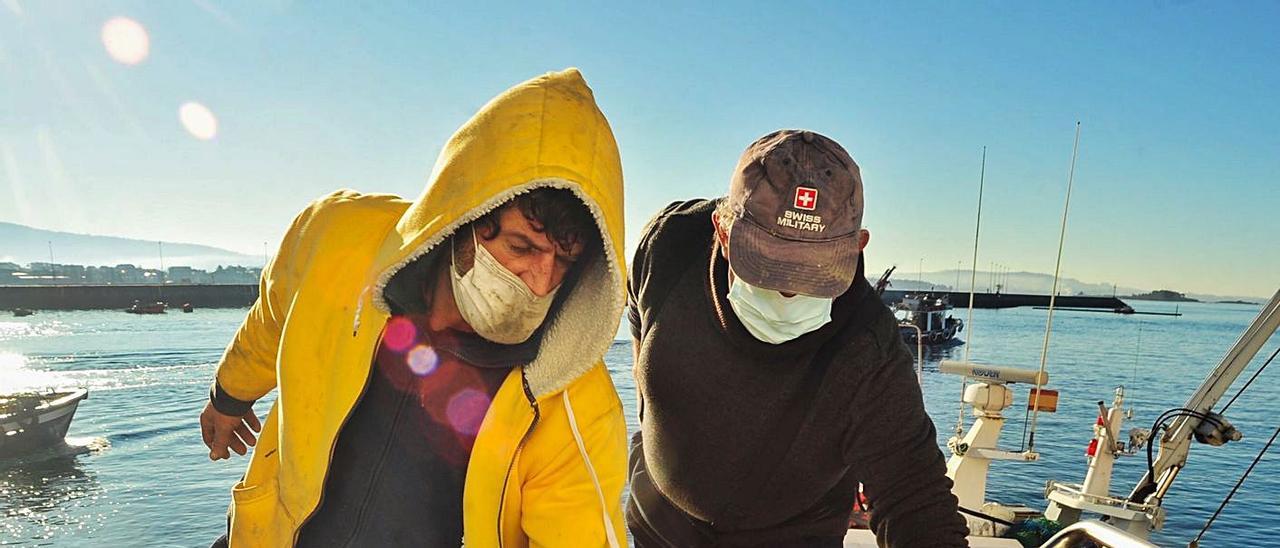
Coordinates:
x,y
818,269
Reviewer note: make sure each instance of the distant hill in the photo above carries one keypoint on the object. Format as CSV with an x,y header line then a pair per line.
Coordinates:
x,y
23,244
1033,283
1163,295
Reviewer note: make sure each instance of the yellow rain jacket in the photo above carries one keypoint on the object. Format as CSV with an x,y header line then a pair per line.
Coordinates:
x,y
549,461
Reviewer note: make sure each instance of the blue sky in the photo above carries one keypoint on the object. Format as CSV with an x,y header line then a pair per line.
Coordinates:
x,y
1176,184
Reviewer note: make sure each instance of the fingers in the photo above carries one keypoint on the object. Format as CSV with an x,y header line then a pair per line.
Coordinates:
x,y
245,434
238,446
206,431
228,434
221,439
253,421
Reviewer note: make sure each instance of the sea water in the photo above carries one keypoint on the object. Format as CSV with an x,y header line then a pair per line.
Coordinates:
x,y
137,474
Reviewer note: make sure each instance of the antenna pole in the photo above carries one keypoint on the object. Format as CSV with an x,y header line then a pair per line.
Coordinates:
x,y
973,281
1053,297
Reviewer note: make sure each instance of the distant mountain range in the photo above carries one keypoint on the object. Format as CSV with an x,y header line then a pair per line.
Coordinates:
x,y
23,244
1026,282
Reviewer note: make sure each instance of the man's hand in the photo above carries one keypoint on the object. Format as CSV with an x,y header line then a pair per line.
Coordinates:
x,y
225,433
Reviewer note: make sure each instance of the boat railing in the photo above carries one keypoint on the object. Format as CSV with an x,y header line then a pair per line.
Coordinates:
x,y
919,350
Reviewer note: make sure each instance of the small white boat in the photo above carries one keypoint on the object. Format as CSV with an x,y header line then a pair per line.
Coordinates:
x,y
35,420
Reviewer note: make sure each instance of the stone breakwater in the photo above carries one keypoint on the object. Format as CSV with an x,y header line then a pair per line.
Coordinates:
x,y
93,297
1015,300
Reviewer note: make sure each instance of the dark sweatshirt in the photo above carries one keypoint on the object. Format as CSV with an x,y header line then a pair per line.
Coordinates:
x,y
400,461
711,393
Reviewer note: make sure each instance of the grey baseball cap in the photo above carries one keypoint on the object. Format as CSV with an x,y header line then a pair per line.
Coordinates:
x,y
801,198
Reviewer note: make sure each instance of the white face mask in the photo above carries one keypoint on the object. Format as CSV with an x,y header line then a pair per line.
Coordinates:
x,y
775,319
495,302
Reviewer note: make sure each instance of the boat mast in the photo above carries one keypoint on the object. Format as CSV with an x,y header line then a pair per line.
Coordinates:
x,y
160,279
973,273
1053,297
973,282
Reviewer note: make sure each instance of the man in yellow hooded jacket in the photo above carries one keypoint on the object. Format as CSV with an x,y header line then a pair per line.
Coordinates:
x,y
439,362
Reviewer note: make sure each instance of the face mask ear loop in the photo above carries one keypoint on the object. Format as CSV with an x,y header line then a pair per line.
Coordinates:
x,y
453,251
475,249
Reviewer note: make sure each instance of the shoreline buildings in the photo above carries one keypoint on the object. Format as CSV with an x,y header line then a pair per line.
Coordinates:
x,y
41,273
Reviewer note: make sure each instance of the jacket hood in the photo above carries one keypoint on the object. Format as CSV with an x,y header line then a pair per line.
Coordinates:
x,y
545,132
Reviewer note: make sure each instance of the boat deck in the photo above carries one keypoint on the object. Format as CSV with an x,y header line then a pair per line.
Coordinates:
x,y
864,538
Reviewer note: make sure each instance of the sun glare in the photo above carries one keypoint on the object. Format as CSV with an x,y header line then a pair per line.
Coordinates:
x,y
198,120
126,40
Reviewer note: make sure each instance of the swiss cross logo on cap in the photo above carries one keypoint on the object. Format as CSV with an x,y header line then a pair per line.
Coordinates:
x,y
806,198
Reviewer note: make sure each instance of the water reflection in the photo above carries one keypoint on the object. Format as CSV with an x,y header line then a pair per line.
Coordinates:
x,y
38,491
934,354
18,375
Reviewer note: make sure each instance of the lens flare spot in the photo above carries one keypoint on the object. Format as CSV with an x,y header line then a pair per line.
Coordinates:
x,y
466,411
198,120
423,360
400,334
126,40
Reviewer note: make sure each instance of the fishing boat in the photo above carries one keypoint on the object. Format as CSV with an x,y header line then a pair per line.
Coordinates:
x,y
35,420
153,308
22,312
924,318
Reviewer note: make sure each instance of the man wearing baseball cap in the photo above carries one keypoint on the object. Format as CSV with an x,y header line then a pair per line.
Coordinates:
x,y
772,381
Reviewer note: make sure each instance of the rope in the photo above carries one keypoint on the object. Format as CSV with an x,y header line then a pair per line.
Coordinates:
x,y
987,517
1250,381
1196,541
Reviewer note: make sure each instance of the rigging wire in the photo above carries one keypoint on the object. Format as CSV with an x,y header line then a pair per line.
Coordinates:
x,y
1250,381
1137,355
1053,297
1196,542
973,281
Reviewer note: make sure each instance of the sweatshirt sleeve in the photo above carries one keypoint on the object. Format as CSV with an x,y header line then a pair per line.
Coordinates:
x,y
637,275
893,449
247,370
639,298
633,294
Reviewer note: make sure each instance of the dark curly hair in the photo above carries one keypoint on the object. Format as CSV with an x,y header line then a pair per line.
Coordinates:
x,y
554,211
